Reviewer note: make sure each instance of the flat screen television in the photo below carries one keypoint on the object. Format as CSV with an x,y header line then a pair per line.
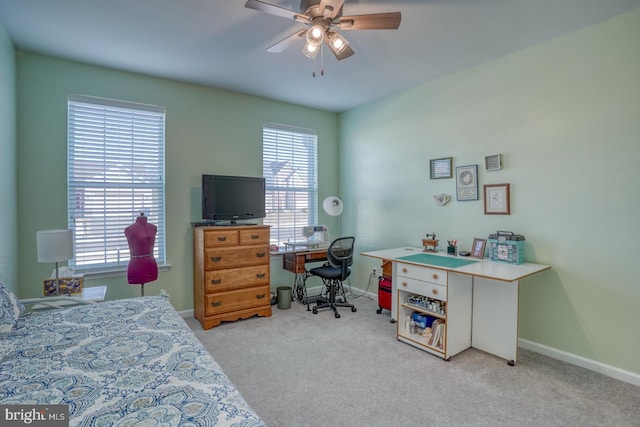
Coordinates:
x,y
231,198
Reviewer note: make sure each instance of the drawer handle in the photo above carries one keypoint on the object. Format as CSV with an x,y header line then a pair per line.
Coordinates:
x,y
255,236
434,291
404,284
260,296
260,275
216,303
404,270
261,254
435,276
215,258
222,238
216,281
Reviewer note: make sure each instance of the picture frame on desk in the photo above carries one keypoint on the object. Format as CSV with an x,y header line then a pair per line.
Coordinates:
x,y
497,199
467,182
477,250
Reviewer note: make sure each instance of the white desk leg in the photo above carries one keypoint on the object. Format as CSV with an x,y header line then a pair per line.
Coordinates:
x,y
495,317
394,293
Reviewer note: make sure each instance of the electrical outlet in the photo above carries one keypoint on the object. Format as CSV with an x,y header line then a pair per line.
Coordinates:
x,y
373,271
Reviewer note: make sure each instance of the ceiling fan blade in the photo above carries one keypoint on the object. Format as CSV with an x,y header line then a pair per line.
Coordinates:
x,y
273,9
373,21
285,43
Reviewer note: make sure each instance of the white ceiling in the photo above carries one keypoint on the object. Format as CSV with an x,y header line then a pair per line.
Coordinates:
x,y
220,43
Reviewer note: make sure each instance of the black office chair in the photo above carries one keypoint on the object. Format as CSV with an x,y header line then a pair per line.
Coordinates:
x,y
333,273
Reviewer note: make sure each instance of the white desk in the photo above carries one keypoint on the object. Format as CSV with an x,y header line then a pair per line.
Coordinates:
x,y
494,320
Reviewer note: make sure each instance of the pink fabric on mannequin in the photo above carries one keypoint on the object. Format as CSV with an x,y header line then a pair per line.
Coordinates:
x,y
141,236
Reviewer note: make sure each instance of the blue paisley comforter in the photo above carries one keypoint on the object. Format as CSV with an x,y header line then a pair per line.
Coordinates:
x,y
122,363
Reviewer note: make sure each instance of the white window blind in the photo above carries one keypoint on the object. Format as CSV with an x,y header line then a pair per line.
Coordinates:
x,y
289,161
115,172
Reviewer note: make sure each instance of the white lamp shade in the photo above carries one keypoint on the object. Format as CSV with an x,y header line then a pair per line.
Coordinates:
x,y
333,205
54,245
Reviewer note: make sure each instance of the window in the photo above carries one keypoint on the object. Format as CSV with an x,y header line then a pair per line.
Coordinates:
x,y
115,172
289,165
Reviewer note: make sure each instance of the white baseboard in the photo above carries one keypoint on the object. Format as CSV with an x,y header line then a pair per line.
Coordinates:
x,y
592,365
186,314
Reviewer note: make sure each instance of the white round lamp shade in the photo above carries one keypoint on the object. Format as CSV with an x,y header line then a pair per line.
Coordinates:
x,y
333,205
54,245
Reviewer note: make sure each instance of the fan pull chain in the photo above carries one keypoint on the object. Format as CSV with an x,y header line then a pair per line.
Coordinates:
x,y
313,73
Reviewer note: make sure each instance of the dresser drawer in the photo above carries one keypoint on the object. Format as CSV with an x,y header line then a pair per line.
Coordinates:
x,y
228,301
218,238
254,237
219,258
427,274
420,287
236,278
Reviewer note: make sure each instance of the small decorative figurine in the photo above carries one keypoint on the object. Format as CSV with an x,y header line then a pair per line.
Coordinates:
x,y
430,243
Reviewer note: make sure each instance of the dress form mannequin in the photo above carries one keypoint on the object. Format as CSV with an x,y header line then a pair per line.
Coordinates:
x,y
142,268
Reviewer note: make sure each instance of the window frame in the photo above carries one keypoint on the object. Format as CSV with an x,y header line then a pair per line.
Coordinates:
x,y
283,145
99,131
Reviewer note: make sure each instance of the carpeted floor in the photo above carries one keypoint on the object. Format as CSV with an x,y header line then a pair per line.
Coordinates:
x,y
300,369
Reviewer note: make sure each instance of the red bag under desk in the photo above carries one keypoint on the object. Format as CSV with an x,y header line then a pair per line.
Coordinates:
x,y
384,293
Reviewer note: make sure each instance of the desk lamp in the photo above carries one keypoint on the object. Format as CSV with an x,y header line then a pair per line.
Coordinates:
x,y
334,206
55,246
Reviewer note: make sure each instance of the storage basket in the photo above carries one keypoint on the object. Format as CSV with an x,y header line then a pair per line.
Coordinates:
x,y
505,246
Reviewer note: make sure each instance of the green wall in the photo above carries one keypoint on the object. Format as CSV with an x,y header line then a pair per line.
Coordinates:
x,y
207,131
8,173
565,115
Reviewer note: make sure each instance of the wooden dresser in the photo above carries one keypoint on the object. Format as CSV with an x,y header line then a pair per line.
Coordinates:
x,y
230,273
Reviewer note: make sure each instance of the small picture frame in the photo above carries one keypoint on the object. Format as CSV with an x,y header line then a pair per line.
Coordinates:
x,y
467,182
441,168
493,163
477,250
68,285
497,199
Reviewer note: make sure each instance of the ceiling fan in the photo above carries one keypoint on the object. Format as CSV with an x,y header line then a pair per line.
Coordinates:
x,y
324,18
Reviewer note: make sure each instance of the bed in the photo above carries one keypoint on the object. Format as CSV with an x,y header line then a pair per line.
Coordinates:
x,y
116,363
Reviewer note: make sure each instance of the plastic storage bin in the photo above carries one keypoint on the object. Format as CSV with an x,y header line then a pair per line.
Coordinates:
x,y
505,246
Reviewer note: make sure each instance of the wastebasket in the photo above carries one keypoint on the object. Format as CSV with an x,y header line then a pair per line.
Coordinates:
x,y
284,297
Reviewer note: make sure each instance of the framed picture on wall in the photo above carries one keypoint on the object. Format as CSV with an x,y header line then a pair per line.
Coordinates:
x,y
440,168
497,199
467,182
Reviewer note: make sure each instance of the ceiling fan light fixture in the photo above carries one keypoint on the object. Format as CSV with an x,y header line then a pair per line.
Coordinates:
x,y
336,42
310,50
315,34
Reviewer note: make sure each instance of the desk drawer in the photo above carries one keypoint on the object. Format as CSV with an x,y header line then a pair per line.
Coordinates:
x,y
239,256
236,278
426,274
419,287
240,299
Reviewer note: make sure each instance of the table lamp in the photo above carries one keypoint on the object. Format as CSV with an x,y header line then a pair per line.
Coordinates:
x,y
55,246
